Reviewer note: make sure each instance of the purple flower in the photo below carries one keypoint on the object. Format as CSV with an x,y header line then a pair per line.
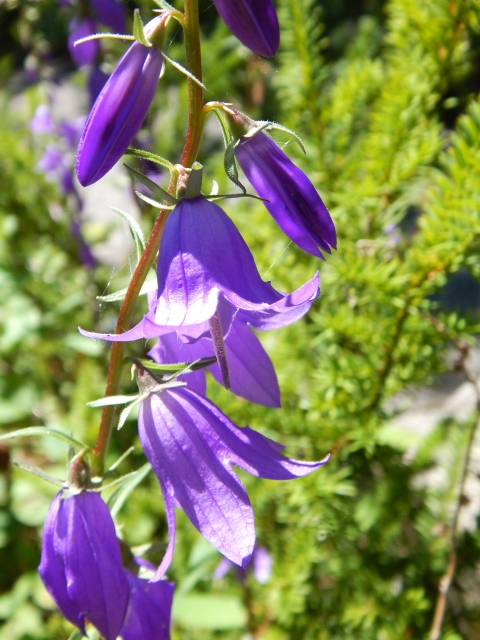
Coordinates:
x,y
81,565
192,446
203,260
86,52
262,563
118,112
111,13
149,610
42,121
290,197
253,22
252,375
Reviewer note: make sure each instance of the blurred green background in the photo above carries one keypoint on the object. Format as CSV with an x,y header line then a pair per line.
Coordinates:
x,y
385,97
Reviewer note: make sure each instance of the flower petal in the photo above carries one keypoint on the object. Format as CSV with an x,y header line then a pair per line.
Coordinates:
x,y
111,13
254,23
86,52
290,197
149,610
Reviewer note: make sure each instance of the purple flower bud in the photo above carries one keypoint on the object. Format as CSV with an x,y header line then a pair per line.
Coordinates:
x,y
111,13
41,121
81,565
253,22
86,52
290,197
118,112
149,610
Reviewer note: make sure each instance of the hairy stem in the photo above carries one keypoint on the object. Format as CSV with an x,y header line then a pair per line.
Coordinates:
x,y
190,151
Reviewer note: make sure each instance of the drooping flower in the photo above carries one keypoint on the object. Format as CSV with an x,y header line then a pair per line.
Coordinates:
x,y
149,610
252,375
192,446
203,260
118,112
253,22
81,565
289,195
86,52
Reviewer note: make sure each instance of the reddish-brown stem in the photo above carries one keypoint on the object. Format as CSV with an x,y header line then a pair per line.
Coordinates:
x,y
190,151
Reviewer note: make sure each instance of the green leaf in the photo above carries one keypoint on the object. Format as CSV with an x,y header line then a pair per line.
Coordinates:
x,y
135,230
118,497
152,157
212,612
126,412
44,431
164,5
154,188
138,29
231,166
178,366
38,472
152,202
185,72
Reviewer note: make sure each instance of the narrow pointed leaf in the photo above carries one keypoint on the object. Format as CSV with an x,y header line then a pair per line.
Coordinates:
x,y
148,286
231,166
44,431
135,229
164,5
154,188
179,366
38,472
152,202
98,36
185,72
126,412
111,400
153,157
118,497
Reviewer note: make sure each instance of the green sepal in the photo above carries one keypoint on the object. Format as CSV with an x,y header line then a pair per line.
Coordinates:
x,y
99,36
138,29
230,165
135,229
44,431
263,125
147,287
194,184
111,401
153,157
150,184
178,367
154,203
117,498
39,473
185,72
164,5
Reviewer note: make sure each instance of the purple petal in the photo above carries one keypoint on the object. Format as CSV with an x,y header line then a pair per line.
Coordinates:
x,y
168,498
51,160
290,197
149,610
118,112
41,121
111,13
96,81
262,565
222,569
176,436
86,52
253,22
81,564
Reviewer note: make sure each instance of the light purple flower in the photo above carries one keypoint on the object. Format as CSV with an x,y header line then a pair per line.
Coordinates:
x,y
81,565
252,375
253,22
86,52
51,163
42,121
203,260
111,13
118,112
192,446
149,610
290,197
262,563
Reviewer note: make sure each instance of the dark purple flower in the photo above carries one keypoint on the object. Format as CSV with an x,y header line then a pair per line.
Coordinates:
x,y
111,13
86,52
81,565
290,197
203,260
118,112
192,446
149,610
252,375
253,22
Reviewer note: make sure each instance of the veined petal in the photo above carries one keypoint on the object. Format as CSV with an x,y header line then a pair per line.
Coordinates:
x,y
174,432
254,23
118,112
149,610
291,198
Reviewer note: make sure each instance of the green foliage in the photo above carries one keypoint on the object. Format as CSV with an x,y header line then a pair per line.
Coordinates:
x,y
391,124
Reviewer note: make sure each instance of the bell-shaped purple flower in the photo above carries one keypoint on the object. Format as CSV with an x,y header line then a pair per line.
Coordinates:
x,y
290,197
252,375
192,446
253,22
149,610
86,52
118,112
203,260
81,565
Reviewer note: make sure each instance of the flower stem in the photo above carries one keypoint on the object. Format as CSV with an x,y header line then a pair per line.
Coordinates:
x,y
190,150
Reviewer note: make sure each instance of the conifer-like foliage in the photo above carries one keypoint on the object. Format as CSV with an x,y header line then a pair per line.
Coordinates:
x,y
386,99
